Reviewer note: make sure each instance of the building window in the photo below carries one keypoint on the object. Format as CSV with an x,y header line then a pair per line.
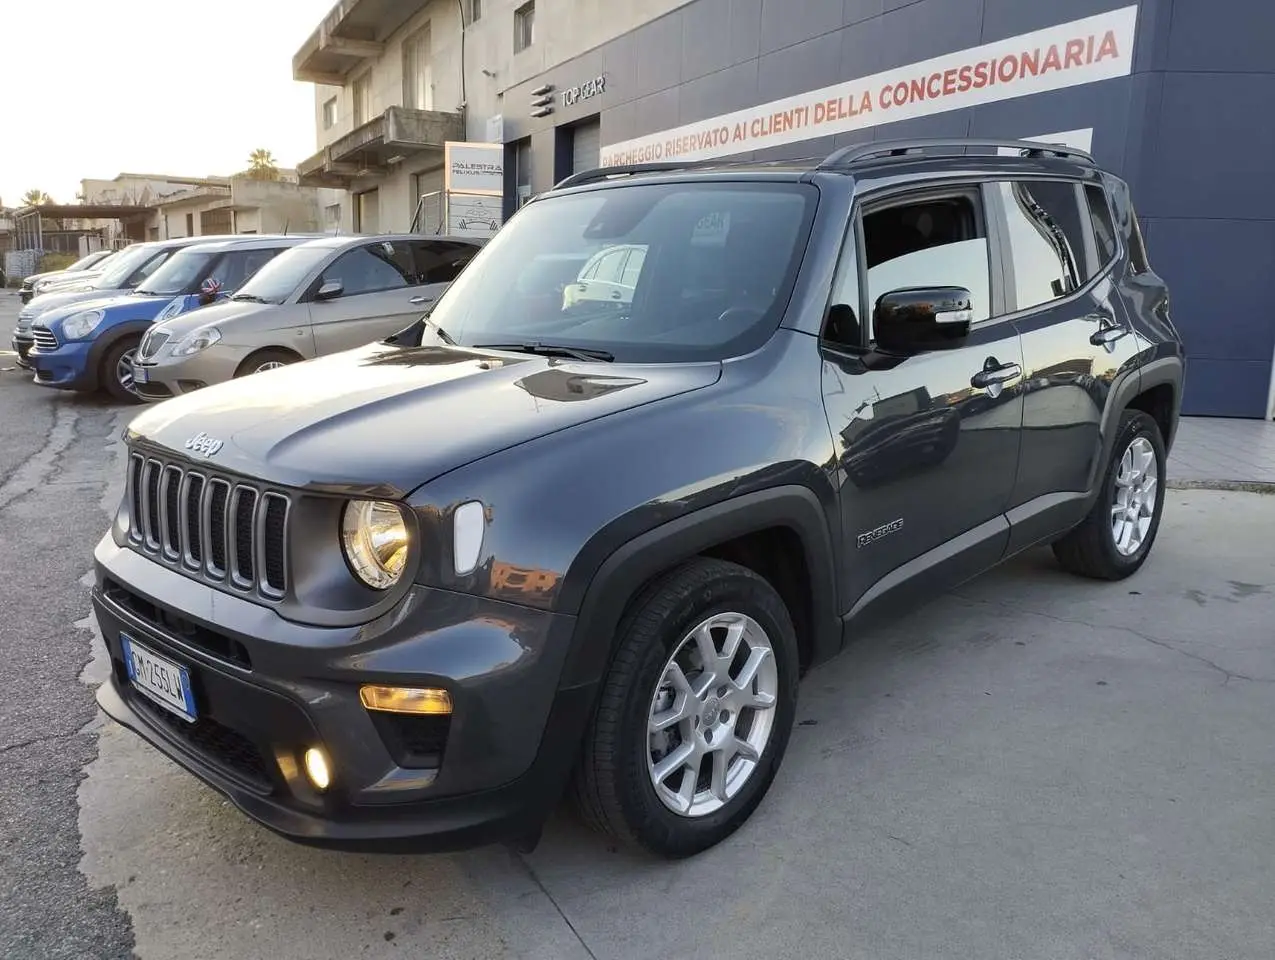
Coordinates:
x,y
475,10
190,224
363,99
418,72
524,26
329,113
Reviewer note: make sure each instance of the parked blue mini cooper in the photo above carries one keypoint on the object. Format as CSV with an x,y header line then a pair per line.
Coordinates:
x,y
89,346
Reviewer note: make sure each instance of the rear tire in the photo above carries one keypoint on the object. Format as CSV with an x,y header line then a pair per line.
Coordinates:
x,y
269,359
724,726
1114,540
116,373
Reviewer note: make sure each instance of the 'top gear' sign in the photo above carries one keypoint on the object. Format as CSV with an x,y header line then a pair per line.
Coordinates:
x,y
1082,51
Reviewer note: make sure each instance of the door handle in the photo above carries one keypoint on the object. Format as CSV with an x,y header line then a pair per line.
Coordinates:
x,y
615,295
1106,336
422,300
995,375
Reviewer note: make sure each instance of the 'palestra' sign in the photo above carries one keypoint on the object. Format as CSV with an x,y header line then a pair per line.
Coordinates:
x,y
1069,54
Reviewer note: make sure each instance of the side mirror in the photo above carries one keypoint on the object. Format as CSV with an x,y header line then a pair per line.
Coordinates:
x,y
918,319
329,290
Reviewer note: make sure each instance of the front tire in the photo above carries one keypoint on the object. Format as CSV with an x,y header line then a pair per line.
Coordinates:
x,y
695,712
263,360
116,375
1114,540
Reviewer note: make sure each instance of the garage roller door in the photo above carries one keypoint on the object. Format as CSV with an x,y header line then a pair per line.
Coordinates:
x,y
586,146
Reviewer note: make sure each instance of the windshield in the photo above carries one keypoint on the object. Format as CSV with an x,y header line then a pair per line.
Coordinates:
x,y
645,272
179,275
122,266
85,262
276,281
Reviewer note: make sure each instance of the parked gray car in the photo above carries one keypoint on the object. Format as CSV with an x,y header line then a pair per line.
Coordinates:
x,y
319,298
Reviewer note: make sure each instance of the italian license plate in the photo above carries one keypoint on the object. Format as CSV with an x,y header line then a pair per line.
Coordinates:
x,y
139,374
158,678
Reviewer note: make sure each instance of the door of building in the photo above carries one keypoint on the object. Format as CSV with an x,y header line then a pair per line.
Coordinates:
x,y
586,146
367,212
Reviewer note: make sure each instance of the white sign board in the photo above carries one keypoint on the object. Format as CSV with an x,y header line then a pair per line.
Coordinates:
x,y
1067,55
472,167
473,215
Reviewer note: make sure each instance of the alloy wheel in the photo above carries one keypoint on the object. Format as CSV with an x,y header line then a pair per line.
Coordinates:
x,y
712,714
124,370
1134,504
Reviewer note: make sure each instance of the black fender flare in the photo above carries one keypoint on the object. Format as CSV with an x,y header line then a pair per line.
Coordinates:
x,y
612,583
108,339
1153,373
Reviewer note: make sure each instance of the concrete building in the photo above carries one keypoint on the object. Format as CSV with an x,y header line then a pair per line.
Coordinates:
x,y
396,79
243,205
1164,92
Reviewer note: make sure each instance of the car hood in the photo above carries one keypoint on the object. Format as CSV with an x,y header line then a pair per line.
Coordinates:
x,y
381,420
51,301
112,305
224,311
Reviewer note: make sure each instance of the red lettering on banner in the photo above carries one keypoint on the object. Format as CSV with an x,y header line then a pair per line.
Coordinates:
x,y
1108,47
1075,56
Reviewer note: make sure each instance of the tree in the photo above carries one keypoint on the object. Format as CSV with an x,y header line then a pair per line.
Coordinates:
x,y
35,197
261,165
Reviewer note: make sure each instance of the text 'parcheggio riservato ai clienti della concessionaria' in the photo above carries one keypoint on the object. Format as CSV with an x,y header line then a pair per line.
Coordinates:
x,y
1082,51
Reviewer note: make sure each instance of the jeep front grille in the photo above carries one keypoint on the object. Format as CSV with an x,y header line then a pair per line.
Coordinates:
x,y
44,338
220,528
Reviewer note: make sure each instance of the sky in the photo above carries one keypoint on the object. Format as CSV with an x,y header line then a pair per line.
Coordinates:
x,y
94,88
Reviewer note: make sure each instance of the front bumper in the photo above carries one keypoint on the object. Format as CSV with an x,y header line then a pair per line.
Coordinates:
x,y
164,376
22,343
69,367
265,689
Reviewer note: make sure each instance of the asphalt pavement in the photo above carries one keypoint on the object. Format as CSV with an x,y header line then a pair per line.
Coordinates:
x,y
1034,767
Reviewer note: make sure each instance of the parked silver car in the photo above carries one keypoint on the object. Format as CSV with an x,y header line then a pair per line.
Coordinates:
x,y
318,298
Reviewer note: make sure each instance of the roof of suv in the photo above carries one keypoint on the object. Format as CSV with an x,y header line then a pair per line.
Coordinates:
x,y
897,157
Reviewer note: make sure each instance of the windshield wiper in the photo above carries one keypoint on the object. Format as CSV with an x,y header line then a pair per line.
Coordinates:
x,y
550,350
250,297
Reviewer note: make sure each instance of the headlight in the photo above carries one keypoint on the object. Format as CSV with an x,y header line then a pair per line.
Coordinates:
x,y
80,325
374,535
199,340
170,311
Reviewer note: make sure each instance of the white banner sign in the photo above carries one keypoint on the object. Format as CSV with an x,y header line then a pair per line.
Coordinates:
x,y
473,167
1082,51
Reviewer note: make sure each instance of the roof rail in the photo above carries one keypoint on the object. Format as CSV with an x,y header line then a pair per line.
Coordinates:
x,y
627,169
859,152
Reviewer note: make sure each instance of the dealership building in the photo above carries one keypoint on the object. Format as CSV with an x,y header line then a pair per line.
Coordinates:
x,y
1173,95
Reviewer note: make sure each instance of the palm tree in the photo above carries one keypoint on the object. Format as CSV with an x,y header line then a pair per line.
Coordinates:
x,y
35,197
261,165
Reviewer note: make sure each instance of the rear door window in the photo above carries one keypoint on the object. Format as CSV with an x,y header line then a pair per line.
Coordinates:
x,y
439,261
1045,238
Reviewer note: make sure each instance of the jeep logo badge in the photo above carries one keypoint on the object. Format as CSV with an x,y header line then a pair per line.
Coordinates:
x,y
203,445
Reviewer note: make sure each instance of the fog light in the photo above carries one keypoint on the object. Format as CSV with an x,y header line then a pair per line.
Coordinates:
x,y
316,768
418,700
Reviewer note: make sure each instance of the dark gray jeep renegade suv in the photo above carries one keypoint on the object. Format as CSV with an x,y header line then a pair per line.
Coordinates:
x,y
670,439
